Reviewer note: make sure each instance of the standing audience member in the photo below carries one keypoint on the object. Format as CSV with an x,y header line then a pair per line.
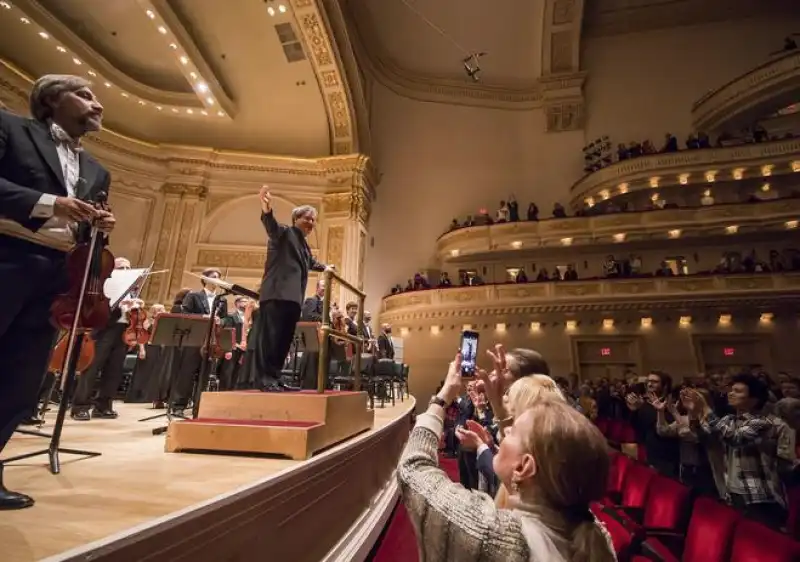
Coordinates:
x,y
662,453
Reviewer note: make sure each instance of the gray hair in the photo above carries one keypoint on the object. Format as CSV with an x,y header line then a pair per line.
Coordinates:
x,y
298,212
50,87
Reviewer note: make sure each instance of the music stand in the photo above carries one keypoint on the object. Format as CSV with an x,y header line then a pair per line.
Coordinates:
x,y
179,331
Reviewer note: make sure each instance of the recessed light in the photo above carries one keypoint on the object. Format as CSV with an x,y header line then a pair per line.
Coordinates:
x,y
203,112
142,102
91,73
125,95
732,229
173,46
26,21
162,30
282,9
61,49
271,11
151,14
184,59
189,111
221,113
210,101
44,35
77,61
108,84
158,107
5,5
202,86
193,75
174,110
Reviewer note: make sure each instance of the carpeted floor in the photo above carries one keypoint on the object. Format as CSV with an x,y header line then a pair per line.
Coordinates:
x,y
398,543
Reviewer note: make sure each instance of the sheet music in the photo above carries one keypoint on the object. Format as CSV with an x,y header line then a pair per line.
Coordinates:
x,y
119,284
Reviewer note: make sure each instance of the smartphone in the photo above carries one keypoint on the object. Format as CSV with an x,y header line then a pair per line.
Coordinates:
x,y
469,353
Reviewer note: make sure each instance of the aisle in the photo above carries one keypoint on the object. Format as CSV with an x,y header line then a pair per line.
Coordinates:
x,y
399,543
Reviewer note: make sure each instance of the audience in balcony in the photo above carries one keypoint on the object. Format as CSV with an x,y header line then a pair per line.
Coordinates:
x,y
558,211
533,212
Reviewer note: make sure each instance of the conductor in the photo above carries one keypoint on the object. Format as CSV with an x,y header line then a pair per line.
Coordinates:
x,y
283,288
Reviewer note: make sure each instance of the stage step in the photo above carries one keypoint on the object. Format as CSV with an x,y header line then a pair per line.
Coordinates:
x,y
293,424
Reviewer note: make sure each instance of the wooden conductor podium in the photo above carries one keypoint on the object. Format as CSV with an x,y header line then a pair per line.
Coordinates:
x,y
292,424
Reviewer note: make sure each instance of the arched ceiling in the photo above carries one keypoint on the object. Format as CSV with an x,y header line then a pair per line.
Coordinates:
x,y
431,38
263,77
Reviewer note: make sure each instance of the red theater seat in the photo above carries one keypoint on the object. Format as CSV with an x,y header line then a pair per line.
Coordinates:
x,y
708,539
616,475
753,542
625,540
635,488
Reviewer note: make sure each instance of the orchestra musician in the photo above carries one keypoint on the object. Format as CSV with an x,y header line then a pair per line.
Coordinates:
x,y
312,306
370,343
385,344
283,288
45,176
109,361
229,369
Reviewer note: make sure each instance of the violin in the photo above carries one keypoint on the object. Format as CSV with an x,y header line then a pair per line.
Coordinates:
x,y
59,354
136,333
84,306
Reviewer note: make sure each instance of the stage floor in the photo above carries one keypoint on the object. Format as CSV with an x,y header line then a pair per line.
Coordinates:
x,y
133,482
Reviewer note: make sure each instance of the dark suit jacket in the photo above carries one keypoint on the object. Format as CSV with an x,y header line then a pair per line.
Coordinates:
x,y
234,321
196,302
289,260
312,310
29,166
385,347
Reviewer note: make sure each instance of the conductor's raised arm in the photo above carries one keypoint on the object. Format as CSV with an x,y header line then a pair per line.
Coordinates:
x,y
272,226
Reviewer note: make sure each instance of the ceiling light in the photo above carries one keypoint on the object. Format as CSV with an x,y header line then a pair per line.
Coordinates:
x,y
173,46
151,14
125,95
724,319
685,320
566,241
222,114
202,86
572,324
608,323
675,233
174,110
516,244
766,317
61,49
91,73
500,327
142,102
732,229
189,111
466,327
44,35
158,107
204,112
162,30
210,100
536,326
193,75
647,322
26,21
619,237
77,61
184,59
791,225
271,11
5,5
453,253
282,9
108,84
435,330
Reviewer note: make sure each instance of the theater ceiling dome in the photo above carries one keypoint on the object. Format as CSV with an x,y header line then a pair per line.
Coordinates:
x,y
194,72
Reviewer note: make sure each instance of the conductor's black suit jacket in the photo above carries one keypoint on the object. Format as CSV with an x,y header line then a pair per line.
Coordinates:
x,y
29,166
289,260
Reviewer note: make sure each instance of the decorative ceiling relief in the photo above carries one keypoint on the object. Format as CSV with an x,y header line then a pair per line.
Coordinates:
x,y
329,74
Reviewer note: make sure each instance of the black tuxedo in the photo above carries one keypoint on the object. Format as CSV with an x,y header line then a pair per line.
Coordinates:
x,y
229,369
312,309
196,302
385,347
32,274
283,289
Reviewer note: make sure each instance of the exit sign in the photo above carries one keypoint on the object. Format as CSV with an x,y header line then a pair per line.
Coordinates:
x,y
605,351
729,351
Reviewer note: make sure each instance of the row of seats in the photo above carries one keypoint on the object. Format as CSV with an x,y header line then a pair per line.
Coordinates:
x,y
654,518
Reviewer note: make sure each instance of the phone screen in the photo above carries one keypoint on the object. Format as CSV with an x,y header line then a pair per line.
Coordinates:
x,y
469,352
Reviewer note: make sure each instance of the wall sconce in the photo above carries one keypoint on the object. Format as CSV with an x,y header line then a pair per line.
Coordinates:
x,y
675,233
619,237
685,321
566,241
500,327
732,229
623,188
711,176
435,330
796,166
791,224
765,187
571,324
403,332
608,323
605,194
766,170
738,173
589,201
454,253
683,179
647,322
654,181
724,319
536,326
654,197
766,317
516,244
466,327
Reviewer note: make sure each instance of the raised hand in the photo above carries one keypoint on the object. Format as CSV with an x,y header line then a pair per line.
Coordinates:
x,y
634,401
656,402
265,198
482,433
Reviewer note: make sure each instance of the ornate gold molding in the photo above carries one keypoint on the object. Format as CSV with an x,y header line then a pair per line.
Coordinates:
x,y
330,76
686,167
528,236
520,301
335,246
773,80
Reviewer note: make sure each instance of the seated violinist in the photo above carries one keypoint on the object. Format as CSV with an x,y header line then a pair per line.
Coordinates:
x,y
109,361
42,200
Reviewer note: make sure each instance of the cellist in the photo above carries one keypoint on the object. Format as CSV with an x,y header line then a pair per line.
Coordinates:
x,y
45,176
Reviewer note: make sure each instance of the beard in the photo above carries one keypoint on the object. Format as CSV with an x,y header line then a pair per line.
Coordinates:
x,y
92,123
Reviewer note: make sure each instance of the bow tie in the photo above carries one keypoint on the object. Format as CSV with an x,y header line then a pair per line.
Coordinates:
x,y
60,136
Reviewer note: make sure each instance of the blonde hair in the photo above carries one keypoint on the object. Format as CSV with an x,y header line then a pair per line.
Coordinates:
x,y
571,471
521,396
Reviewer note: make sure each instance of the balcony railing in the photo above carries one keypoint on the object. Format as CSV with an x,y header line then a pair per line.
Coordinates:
x,y
477,241
767,85
687,167
599,294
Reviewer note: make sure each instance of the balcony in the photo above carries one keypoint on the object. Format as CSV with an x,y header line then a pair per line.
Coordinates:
x,y
520,300
687,167
482,241
753,95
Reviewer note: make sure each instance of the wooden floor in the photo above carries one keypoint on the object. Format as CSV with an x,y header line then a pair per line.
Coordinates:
x,y
133,482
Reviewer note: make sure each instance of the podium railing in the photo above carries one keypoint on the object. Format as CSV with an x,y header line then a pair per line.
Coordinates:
x,y
327,331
